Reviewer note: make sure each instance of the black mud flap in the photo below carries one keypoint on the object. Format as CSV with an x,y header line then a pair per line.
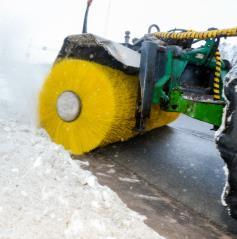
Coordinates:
x,y
226,139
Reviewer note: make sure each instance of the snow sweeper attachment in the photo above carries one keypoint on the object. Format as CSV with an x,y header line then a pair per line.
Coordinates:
x,y
89,99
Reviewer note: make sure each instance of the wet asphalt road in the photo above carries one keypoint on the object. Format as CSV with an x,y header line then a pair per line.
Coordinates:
x,y
182,161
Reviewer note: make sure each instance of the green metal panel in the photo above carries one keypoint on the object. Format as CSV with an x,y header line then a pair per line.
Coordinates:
x,y
158,92
204,111
172,100
178,68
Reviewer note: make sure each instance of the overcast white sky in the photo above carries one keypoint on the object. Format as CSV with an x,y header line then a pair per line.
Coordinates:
x,y
36,23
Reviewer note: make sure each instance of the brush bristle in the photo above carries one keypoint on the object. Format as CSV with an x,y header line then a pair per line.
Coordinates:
x,y
108,99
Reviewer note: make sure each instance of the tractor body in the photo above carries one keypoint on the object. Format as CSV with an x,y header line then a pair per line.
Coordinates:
x,y
176,78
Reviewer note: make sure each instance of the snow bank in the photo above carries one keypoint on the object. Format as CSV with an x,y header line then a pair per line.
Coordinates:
x,y
45,194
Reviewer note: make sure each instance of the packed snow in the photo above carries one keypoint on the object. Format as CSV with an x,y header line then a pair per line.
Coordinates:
x,y
44,193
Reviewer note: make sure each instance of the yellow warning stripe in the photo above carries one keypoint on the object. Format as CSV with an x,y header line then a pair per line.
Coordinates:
x,y
216,84
217,97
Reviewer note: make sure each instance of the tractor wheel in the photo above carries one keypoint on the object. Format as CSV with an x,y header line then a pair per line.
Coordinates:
x,y
227,143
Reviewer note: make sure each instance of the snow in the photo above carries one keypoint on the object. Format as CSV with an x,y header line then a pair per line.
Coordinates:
x,y
226,187
129,180
45,194
111,171
147,197
228,51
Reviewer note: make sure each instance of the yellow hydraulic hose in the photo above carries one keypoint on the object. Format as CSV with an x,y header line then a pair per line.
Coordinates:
x,y
190,34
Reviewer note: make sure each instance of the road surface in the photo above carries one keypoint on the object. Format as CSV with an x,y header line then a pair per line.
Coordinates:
x,y
179,163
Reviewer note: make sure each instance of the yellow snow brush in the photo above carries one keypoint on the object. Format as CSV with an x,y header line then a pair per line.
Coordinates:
x,y
90,97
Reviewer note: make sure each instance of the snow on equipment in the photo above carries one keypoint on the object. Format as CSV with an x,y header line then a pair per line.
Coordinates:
x,y
99,91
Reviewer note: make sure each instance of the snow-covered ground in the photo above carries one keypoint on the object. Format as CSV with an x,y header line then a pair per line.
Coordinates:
x,y
44,194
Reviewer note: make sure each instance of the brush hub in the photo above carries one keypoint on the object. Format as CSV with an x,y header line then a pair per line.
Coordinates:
x,y
68,106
